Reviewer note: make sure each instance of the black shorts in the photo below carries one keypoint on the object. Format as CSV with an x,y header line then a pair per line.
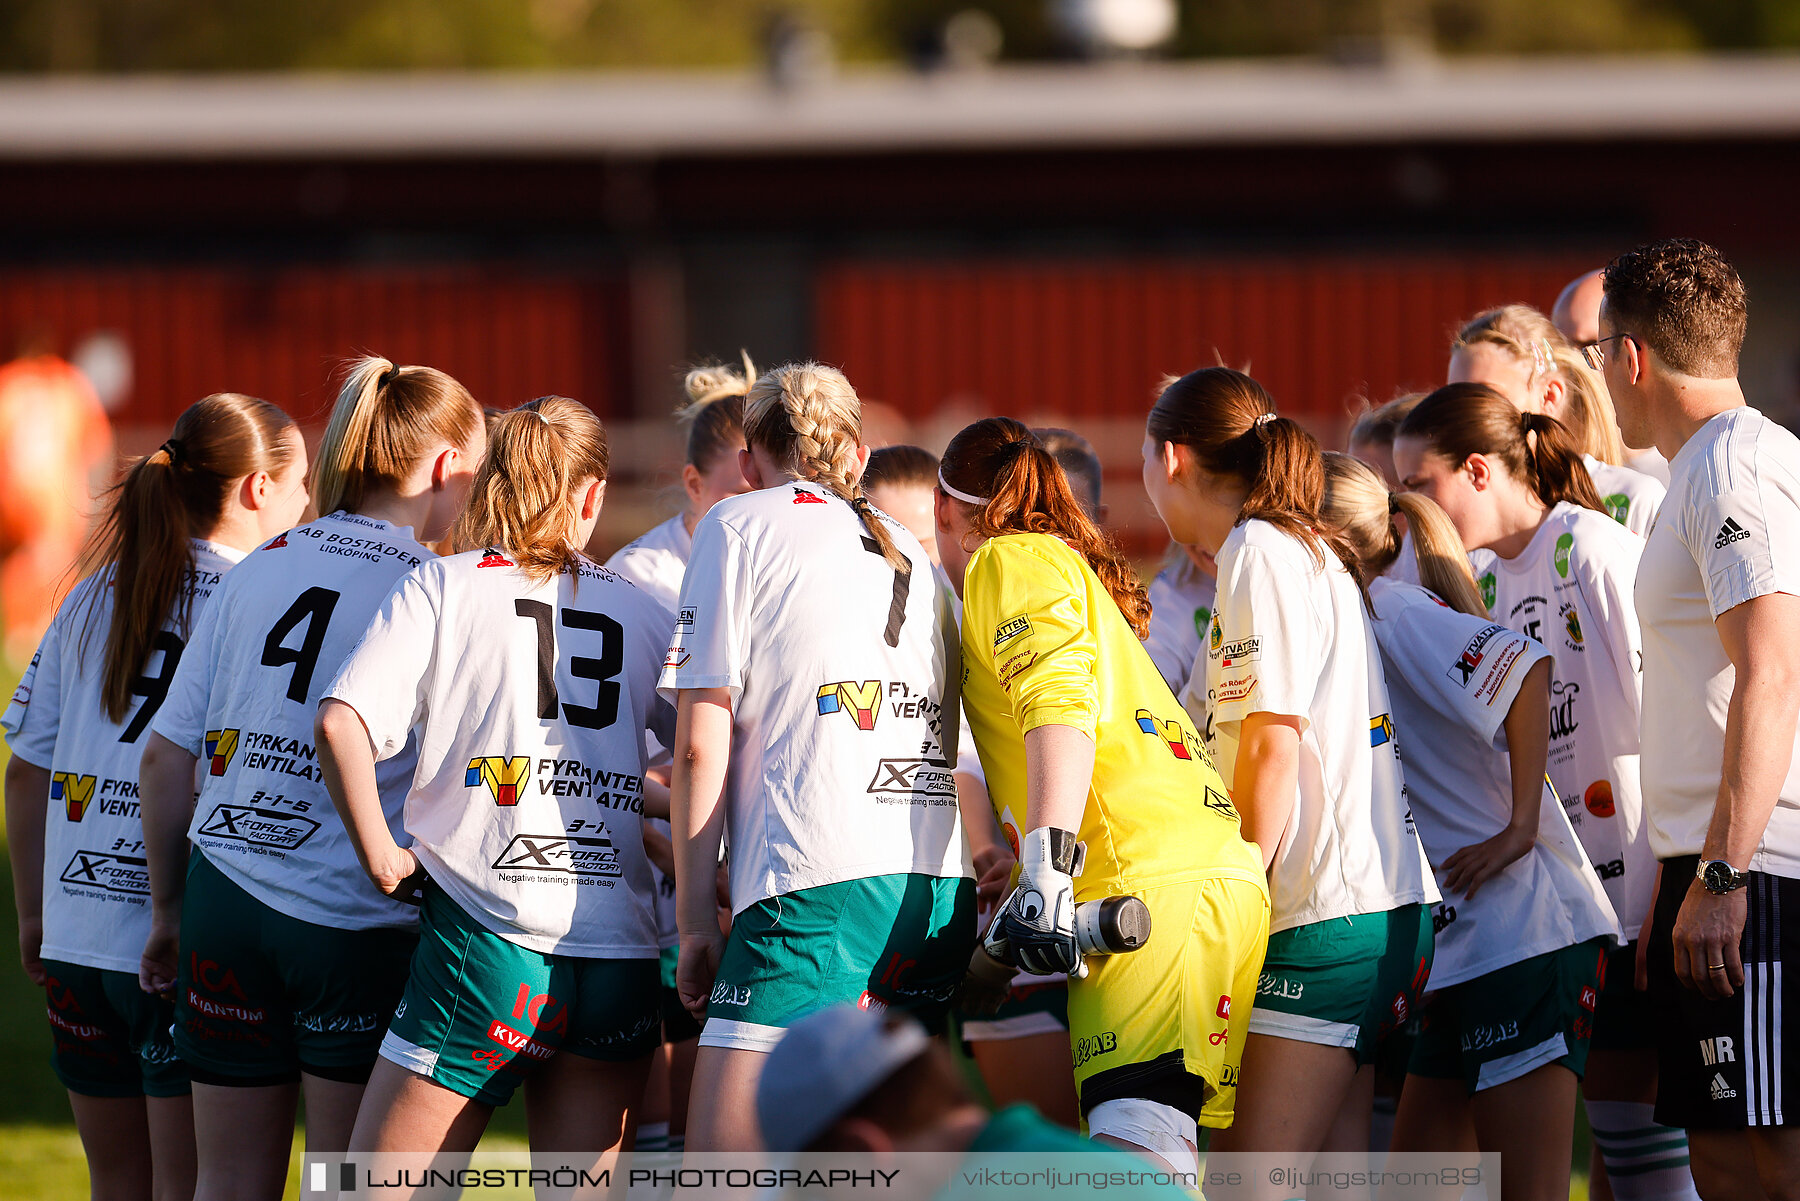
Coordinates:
x,y
1722,1064
1624,1020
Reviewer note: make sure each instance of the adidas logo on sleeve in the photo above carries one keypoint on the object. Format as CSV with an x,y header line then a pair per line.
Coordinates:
x,y
1721,1089
1730,532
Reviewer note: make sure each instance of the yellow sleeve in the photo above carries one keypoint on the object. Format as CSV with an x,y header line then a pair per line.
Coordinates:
x,y
1027,620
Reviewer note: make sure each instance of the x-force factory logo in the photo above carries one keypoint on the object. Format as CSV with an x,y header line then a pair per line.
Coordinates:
x,y
861,700
504,777
73,791
565,855
114,873
1181,744
913,777
221,745
260,827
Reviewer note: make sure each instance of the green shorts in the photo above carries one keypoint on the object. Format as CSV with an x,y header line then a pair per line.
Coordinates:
x,y
1514,1020
481,1013
900,941
1037,1005
261,996
111,1037
1345,982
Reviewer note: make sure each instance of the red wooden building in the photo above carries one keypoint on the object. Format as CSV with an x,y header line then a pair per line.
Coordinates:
x,y
1047,242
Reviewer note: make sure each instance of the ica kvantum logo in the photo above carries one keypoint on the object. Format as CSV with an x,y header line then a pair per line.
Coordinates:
x,y
503,777
862,701
72,790
221,745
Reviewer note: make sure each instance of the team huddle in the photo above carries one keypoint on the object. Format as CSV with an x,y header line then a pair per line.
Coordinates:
x,y
1410,772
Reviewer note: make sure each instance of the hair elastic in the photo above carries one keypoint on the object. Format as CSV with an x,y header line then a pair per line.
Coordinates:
x,y
1262,419
176,451
1393,504
957,493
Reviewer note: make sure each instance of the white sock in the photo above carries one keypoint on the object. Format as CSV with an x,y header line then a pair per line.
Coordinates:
x,y
1644,1161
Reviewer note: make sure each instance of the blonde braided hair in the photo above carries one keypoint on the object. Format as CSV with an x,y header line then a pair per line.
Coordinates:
x,y
808,417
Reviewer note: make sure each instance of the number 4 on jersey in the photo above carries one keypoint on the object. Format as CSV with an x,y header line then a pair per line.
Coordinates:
x,y
314,609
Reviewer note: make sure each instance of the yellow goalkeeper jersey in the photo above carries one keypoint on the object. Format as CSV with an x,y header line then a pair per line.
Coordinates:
x,y
1044,644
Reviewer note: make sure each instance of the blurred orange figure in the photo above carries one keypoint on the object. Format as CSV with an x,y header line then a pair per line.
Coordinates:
x,y
55,440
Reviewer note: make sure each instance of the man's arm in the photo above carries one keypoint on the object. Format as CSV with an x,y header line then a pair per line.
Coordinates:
x,y
1762,639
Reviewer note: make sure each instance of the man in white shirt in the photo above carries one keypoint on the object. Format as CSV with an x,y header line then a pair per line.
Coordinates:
x,y
1577,316
1718,597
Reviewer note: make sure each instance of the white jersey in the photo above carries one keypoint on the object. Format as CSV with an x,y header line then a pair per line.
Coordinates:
x,y
1729,534
1570,588
840,670
243,702
96,880
1293,638
656,563
1452,679
1181,605
528,702
1632,497
658,560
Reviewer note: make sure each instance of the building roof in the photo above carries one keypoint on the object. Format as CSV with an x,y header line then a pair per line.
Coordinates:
x,y
1043,107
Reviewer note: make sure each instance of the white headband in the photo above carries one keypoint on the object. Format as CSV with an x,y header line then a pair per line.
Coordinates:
x,y
958,495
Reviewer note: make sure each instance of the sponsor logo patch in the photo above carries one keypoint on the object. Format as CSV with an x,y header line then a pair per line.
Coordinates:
x,y
1381,730
862,700
1730,532
1244,650
114,873
260,827
76,792
1599,798
221,745
1180,742
491,557
916,777
1010,629
504,777
1560,556
560,854
678,656
1466,665
803,497
1236,690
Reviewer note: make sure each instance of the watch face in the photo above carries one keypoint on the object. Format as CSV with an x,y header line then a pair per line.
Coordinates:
x,y
1719,876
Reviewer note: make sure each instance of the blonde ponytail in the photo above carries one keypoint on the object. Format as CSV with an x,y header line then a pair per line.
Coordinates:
x,y
525,501
386,418
714,413
808,417
1359,504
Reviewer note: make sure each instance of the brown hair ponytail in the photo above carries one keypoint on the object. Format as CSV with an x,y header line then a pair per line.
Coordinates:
x,y
385,419
1228,421
1459,420
168,498
808,417
1028,492
1359,503
524,499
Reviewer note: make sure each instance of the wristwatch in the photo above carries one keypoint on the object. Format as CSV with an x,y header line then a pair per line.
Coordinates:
x,y
1720,877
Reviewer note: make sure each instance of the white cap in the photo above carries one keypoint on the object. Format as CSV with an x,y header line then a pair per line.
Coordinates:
x,y
823,1068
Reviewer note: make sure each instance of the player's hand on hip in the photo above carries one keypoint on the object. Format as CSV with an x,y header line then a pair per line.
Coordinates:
x,y
1707,933
1035,927
695,968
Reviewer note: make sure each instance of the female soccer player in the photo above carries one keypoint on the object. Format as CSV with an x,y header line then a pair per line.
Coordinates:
x,y
1516,351
813,662
1083,743
1020,1046
1181,607
1562,573
231,475
526,676
289,961
714,417
1298,714
1524,926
